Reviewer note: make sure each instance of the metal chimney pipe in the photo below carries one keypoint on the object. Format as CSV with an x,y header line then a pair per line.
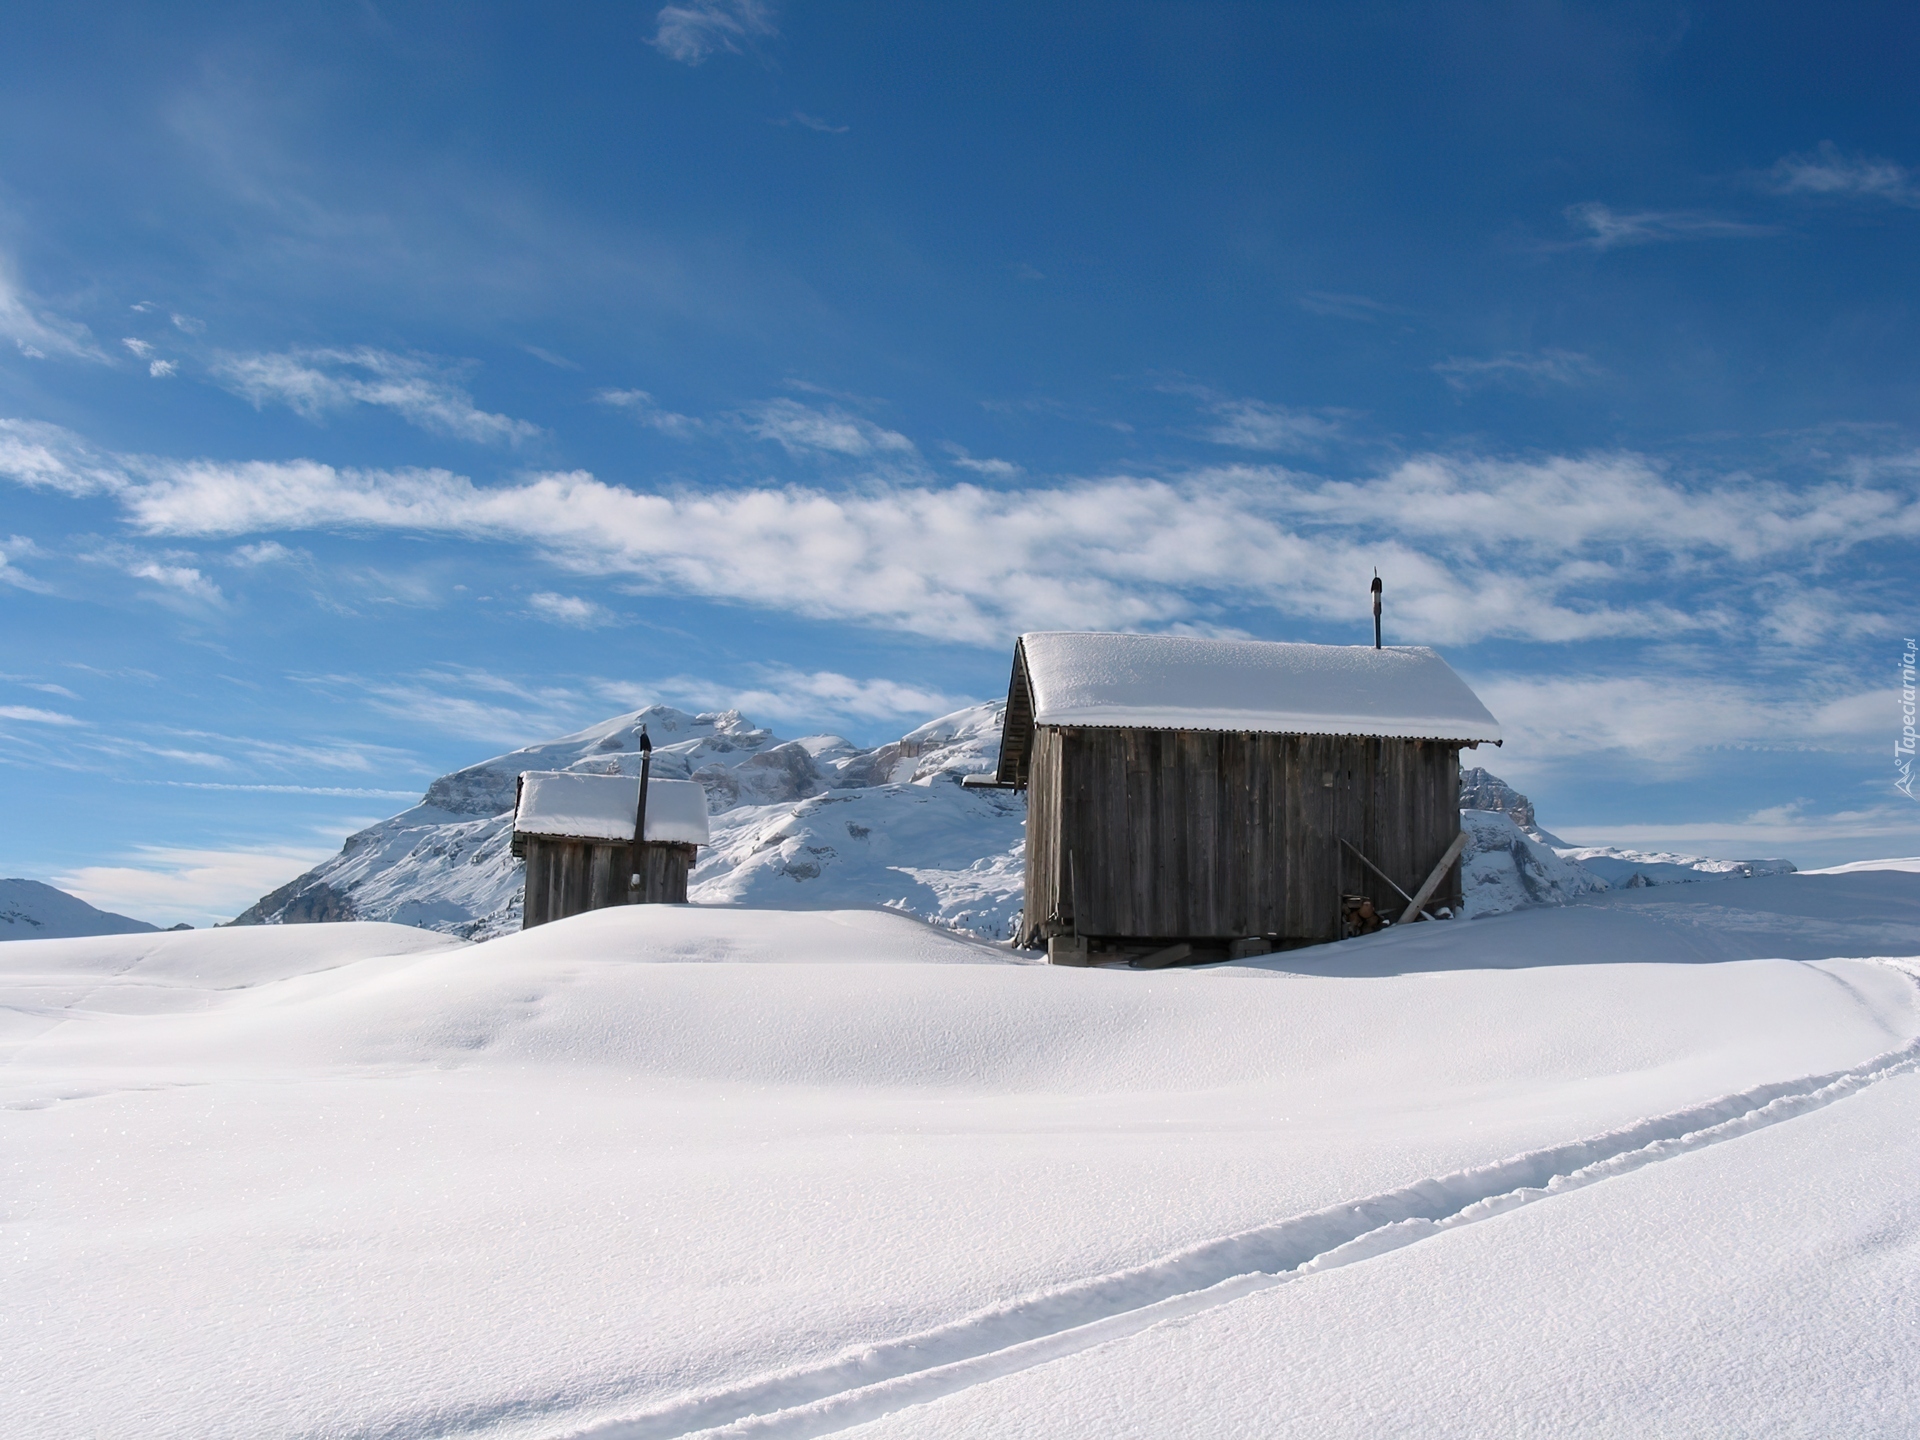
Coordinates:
x,y
636,884
1376,609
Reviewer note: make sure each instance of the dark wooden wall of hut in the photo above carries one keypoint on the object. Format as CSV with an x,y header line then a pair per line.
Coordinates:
x,y
566,877
1193,834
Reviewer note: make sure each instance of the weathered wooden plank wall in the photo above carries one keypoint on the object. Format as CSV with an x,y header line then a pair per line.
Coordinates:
x,y
1190,835
567,877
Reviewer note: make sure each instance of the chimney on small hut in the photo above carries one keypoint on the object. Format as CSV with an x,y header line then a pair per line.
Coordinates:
x,y
1376,609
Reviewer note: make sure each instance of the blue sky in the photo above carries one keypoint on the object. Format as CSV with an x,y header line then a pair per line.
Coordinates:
x,y
384,386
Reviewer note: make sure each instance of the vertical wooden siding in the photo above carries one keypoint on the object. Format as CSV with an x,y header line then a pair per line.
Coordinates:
x,y
566,877
1185,834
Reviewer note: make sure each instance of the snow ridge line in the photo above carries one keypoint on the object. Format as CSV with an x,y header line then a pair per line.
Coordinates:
x,y
892,1375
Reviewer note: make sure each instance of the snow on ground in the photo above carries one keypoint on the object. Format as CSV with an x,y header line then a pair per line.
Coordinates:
x,y
659,1168
30,910
1755,1288
1622,869
1910,864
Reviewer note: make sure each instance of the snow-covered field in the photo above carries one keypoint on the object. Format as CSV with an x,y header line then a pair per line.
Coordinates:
x,y
1640,1164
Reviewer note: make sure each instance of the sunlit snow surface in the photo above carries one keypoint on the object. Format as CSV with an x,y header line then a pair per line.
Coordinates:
x,y
1607,1168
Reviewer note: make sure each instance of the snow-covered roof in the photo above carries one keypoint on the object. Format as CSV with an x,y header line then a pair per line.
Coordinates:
x,y
1178,682
601,807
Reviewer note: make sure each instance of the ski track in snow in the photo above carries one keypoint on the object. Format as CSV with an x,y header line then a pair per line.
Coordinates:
x,y
877,1380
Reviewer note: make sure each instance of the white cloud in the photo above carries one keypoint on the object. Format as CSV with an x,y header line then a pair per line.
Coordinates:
x,y
463,701
1606,228
11,549
184,578
37,333
1667,723
45,687
1256,425
162,369
139,347
29,715
173,571
1787,829
814,122
1556,367
641,405
421,391
992,469
267,552
569,610
1346,307
166,884
1832,175
187,325
801,429
1555,549
780,693
693,31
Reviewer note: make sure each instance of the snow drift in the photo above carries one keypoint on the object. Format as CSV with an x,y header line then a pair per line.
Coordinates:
x,y
658,1167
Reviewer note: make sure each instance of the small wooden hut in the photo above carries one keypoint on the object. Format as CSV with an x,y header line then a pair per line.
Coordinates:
x,y
1194,798
576,834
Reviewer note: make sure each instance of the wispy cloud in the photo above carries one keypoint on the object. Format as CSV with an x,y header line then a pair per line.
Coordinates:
x,y
38,333
643,408
1783,829
183,579
422,391
174,572
1557,548
569,610
783,694
162,369
1347,307
165,884
991,468
12,549
267,552
690,33
1829,174
1526,368
1248,424
30,715
464,701
1608,229
802,429
1665,725
812,122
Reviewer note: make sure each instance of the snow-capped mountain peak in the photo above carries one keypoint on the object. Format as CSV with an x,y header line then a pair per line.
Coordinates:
x,y
811,822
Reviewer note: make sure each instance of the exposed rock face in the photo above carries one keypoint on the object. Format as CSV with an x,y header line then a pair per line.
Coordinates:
x,y
305,901
1482,790
1506,868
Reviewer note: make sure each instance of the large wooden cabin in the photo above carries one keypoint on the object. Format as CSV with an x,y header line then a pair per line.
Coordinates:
x,y
576,834
1199,793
